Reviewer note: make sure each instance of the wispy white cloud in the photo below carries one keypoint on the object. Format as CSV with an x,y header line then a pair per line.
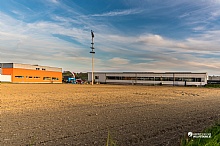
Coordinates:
x,y
199,28
117,60
54,1
201,14
118,13
25,39
203,42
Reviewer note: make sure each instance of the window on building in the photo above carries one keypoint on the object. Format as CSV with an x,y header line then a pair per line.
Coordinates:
x,y
165,79
43,69
151,78
110,77
119,78
30,77
37,68
46,78
189,79
36,77
157,79
140,78
171,78
128,78
178,79
19,77
198,79
181,79
54,78
96,77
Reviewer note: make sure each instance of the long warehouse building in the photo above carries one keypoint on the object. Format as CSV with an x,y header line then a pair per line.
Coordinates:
x,y
26,73
166,78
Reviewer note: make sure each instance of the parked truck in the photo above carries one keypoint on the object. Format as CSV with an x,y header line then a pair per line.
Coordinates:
x,y
68,79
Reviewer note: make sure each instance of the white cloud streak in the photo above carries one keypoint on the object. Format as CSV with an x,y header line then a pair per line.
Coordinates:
x,y
118,13
117,60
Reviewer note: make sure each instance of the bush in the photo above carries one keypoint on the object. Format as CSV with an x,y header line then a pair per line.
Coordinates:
x,y
212,85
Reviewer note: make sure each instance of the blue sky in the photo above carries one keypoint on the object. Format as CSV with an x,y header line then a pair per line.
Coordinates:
x,y
130,35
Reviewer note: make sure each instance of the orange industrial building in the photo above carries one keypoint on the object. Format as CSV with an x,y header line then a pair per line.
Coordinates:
x,y
26,73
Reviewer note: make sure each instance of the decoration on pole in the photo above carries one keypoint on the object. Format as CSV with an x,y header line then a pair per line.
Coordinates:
x,y
92,52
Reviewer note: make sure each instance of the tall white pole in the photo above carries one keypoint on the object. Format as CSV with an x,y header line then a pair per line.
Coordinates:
x,y
92,56
92,68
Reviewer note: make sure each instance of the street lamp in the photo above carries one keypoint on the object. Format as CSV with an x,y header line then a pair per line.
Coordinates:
x,y
92,52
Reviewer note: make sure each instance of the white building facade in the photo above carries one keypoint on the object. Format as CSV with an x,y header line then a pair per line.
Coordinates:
x,y
214,80
152,78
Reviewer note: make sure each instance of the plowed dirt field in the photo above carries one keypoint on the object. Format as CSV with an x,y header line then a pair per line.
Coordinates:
x,y
79,115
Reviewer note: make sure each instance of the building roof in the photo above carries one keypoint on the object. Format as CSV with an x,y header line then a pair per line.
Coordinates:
x,y
29,66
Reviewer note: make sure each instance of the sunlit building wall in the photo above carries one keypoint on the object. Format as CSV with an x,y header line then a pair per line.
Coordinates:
x,y
26,73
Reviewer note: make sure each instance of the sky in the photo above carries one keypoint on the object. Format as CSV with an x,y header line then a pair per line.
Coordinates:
x,y
129,35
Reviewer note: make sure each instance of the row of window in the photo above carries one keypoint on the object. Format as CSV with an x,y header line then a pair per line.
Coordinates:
x,y
37,77
50,78
155,78
39,69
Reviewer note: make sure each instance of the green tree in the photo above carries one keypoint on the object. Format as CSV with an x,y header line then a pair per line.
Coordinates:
x,y
67,73
83,76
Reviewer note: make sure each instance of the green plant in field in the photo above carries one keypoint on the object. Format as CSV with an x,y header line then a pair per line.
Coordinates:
x,y
32,142
213,141
110,141
212,85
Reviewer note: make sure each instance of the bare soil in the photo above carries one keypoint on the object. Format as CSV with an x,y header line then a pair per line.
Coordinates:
x,y
79,115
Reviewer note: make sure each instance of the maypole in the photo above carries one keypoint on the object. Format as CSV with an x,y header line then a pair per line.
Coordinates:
x,y
92,52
